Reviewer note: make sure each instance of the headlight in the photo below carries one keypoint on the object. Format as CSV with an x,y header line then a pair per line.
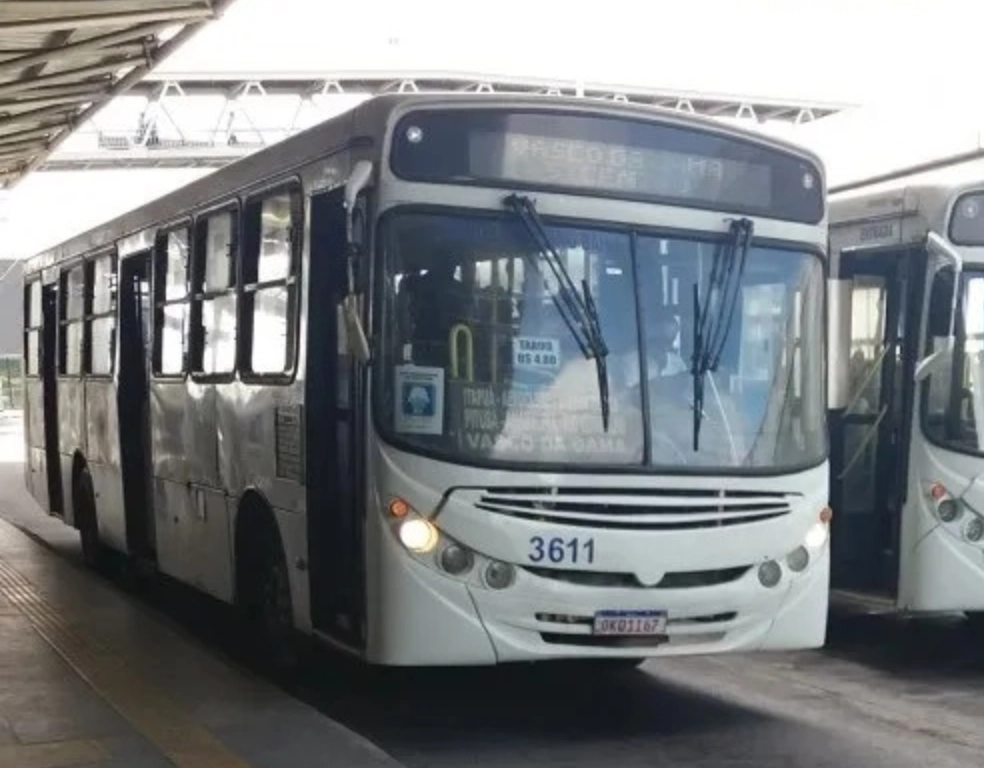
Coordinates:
x,y
499,575
817,536
975,529
770,573
798,559
949,510
418,535
456,559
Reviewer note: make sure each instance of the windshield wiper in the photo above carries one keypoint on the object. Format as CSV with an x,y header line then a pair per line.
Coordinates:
x,y
578,310
713,321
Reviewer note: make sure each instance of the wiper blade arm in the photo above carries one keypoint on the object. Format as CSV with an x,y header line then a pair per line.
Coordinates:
x,y
601,353
578,311
711,329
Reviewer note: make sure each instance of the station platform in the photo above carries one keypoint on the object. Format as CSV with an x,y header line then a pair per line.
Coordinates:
x,y
90,677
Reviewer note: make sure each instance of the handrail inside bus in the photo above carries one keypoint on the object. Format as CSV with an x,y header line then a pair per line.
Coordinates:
x,y
875,366
864,443
457,331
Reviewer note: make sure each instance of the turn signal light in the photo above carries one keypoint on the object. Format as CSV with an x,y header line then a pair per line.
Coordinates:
x,y
399,509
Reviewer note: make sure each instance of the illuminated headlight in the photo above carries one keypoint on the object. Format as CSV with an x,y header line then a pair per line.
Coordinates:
x,y
975,529
456,559
418,535
499,575
817,536
949,510
798,559
770,573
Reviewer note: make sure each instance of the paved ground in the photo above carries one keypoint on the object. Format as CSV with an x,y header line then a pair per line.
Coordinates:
x,y
884,694
91,676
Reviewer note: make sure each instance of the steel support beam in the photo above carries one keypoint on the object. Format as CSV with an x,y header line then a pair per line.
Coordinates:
x,y
180,15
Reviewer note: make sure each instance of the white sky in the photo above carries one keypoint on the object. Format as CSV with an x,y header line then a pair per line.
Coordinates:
x,y
913,66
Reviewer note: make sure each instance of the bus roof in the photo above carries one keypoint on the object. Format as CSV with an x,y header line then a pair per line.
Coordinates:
x,y
366,121
925,206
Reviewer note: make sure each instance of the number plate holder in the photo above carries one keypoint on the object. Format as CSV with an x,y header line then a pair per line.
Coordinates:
x,y
629,623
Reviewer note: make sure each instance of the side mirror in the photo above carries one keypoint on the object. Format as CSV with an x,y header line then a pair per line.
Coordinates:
x,y
950,257
356,334
945,256
358,342
357,181
936,361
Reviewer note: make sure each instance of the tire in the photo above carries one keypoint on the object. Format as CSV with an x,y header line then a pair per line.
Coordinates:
x,y
93,550
975,621
270,611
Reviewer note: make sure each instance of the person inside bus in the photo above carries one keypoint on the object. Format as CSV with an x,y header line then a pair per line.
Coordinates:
x,y
436,301
662,329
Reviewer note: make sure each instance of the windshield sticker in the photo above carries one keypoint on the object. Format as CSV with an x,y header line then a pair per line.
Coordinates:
x,y
536,352
420,409
507,419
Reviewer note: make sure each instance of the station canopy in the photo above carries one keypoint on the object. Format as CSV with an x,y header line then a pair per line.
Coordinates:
x,y
61,60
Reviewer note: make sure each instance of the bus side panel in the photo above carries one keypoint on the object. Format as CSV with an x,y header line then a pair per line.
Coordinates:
x,y
37,470
199,434
260,448
192,517
103,459
71,435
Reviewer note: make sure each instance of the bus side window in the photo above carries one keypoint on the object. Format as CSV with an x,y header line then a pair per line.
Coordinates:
x,y
269,271
32,326
171,302
214,303
100,314
71,310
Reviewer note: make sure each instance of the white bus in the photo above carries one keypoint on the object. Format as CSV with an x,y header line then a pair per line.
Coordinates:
x,y
380,384
907,440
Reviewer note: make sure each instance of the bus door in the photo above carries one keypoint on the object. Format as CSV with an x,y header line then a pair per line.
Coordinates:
x,y
49,394
869,439
132,401
332,430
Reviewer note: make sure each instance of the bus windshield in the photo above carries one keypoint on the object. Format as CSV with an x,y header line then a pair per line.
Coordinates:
x,y
477,365
953,407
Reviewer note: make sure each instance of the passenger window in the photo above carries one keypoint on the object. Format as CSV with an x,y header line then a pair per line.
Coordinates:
x,y
176,272
171,302
32,328
72,287
100,322
270,283
215,297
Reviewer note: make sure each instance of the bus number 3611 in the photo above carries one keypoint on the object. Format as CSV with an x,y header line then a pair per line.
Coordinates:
x,y
560,550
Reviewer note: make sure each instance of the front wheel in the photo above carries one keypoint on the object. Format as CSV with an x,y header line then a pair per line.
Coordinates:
x,y
93,550
271,612
975,621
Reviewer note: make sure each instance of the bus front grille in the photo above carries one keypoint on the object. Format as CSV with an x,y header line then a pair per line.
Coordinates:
x,y
636,509
672,580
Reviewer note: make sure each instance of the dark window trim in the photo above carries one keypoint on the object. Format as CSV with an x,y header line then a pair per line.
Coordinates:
x,y
198,267
252,208
158,286
388,436
924,387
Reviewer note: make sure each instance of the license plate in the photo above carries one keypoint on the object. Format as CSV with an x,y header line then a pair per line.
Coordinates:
x,y
630,623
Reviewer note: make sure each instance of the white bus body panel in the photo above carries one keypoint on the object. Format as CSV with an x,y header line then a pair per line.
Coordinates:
x,y
940,569
421,615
